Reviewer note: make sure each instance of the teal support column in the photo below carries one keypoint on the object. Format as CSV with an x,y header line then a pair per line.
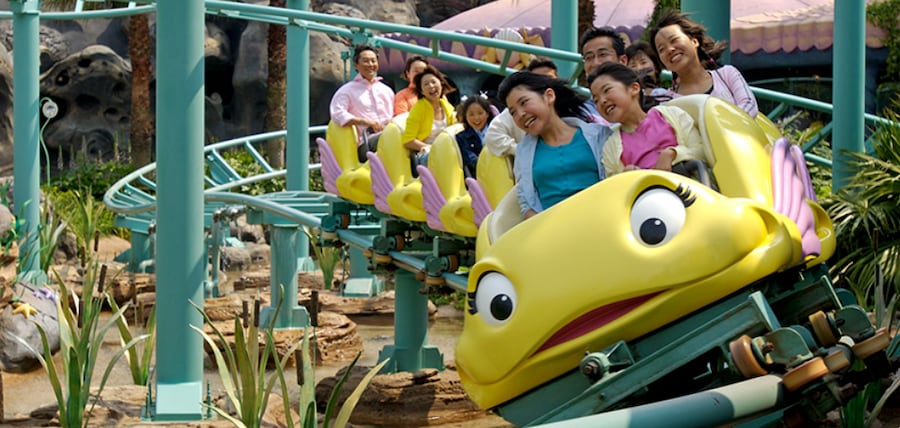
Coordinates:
x,y
140,251
181,256
361,282
848,88
297,140
715,15
563,18
284,273
26,147
410,351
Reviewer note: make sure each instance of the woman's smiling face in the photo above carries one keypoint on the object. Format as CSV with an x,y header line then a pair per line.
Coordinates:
x,y
530,110
431,87
677,50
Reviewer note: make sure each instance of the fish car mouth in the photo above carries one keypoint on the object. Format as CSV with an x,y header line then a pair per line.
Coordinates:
x,y
593,320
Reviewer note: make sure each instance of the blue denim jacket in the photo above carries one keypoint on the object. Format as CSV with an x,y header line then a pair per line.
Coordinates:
x,y
594,133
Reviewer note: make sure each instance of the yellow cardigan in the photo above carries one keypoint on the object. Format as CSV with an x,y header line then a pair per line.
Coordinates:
x,y
421,119
690,144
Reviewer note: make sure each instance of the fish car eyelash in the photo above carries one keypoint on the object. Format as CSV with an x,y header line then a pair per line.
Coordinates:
x,y
683,192
686,194
470,299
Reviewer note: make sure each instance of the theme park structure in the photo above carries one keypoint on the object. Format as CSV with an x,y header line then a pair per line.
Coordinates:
x,y
645,292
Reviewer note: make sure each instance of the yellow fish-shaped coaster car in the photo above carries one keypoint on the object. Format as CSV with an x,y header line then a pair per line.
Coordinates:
x,y
628,256
544,293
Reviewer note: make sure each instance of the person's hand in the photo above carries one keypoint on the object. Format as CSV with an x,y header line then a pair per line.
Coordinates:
x,y
664,162
529,214
376,126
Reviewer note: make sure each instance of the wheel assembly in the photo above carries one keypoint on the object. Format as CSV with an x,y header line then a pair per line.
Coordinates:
x,y
836,361
434,281
802,375
744,358
383,259
822,329
874,344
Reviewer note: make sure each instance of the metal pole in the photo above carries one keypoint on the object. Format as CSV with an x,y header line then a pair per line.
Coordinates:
x,y
26,151
297,139
717,407
848,87
715,15
410,351
563,19
181,256
284,274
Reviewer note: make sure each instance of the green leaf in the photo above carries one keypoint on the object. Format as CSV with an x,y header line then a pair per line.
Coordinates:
x,y
335,393
343,416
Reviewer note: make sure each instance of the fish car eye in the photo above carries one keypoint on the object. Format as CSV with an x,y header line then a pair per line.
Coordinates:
x,y
657,216
495,298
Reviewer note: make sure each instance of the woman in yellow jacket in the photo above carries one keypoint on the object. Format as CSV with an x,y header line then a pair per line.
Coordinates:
x,y
430,115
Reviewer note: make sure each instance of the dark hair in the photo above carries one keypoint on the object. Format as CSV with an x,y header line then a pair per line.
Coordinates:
x,y
540,61
569,103
708,50
430,69
643,47
594,32
411,60
359,49
474,99
627,76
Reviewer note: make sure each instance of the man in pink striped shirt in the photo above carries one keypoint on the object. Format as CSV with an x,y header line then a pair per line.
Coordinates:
x,y
364,102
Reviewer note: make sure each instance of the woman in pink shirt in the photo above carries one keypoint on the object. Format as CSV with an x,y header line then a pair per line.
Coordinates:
x,y
656,139
407,97
684,48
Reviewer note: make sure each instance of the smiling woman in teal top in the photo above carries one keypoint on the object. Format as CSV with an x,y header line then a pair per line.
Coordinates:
x,y
561,153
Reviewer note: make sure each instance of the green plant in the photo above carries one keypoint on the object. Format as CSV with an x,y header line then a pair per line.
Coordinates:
x,y
242,369
447,296
246,166
49,231
868,206
343,415
87,218
884,15
138,361
89,177
854,413
326,256
81,336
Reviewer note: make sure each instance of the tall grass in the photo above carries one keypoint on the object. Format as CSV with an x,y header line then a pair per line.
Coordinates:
x,y
81,337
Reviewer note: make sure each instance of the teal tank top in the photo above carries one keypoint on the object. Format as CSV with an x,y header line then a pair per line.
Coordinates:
x,y
560,172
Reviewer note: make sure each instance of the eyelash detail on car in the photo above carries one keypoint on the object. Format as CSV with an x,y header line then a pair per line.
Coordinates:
x,y
686,195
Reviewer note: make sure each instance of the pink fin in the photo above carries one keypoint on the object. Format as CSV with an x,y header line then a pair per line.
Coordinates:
x,y
381,183
432,197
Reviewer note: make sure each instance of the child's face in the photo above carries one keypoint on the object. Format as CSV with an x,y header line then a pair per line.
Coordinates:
x,y
614,99
431,87
476,116
641,61
531,110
